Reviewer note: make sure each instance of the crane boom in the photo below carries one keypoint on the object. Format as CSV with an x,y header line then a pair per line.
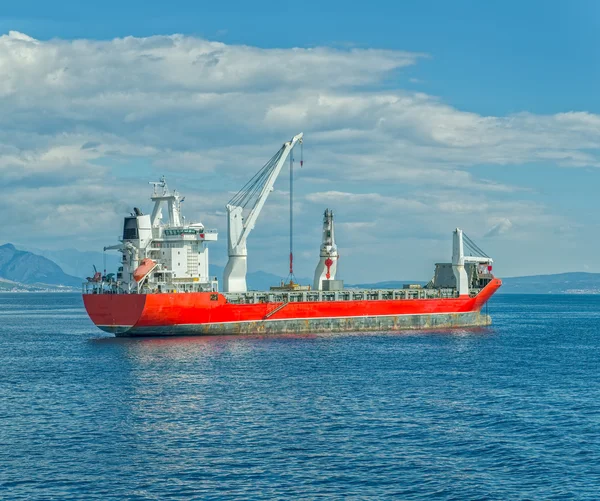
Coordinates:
x,y
459,259
255,192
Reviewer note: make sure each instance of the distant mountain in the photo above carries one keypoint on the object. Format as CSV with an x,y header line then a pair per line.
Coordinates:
x,y
31,269
392,284
10,286
256,280
79,263
36,270
560,283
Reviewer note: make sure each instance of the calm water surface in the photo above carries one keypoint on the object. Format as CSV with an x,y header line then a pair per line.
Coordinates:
x,y
510,412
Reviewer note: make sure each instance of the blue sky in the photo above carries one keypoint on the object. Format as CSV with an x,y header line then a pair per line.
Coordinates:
x,y
500,132
488,57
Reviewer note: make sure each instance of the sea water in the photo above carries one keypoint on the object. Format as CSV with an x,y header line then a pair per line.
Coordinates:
x,y
507,412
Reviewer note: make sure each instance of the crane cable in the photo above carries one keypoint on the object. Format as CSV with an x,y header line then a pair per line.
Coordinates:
x,y
253,187
291,277
291,217
472,247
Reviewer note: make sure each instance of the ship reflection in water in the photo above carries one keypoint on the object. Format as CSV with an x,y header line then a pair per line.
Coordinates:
x,y
145,349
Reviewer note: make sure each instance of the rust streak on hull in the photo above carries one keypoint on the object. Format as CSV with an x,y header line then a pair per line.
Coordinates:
x,y
317,326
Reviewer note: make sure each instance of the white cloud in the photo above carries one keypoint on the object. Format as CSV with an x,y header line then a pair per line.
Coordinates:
x,y
84,124
374,202
499,228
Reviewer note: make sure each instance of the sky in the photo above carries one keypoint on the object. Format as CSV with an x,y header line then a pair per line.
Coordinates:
x,y
419,116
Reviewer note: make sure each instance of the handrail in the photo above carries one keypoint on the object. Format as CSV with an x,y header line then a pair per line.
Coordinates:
x,y
275,310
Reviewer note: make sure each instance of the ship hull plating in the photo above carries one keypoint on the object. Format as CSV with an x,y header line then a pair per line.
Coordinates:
x,y
204,313
315,326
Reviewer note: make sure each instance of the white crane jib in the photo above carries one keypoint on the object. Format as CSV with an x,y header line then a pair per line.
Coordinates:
x,y
459,259
328,257
254,195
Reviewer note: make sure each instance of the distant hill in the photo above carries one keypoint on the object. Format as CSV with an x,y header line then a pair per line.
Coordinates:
x,y
34,270
560,283
10,286
391,284
31,269
80,263
256,280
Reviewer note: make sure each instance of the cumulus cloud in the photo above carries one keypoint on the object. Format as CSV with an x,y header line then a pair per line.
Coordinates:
x,y
375,202
499,228
85,123
181,63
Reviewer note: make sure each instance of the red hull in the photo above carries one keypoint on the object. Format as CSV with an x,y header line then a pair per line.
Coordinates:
x,y
197,313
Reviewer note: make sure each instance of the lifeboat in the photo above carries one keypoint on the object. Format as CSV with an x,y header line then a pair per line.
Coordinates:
x,y
145,267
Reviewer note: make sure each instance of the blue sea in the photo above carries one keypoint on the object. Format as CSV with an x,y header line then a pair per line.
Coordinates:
x,y
505,413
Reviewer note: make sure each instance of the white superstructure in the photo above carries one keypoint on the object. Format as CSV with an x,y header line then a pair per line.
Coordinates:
x,y
327,267
174,251
169,254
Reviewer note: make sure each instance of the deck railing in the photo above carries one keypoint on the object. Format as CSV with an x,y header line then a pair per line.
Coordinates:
x,y
153,288
344,295
286,297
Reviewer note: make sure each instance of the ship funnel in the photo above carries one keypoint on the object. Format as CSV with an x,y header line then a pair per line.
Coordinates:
x,y
327,267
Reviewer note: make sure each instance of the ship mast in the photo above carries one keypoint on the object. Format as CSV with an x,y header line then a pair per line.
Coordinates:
x,y
291,276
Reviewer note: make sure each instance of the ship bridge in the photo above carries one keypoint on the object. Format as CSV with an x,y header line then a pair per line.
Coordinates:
x,y
161,255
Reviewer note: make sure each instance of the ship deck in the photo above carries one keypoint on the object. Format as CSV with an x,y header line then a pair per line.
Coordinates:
x,y
170,313
257,297
254,297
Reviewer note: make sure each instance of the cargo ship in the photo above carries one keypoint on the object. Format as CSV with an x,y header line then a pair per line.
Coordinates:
x,y
163,286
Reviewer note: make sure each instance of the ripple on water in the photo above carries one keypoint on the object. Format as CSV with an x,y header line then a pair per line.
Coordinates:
x,y
510,412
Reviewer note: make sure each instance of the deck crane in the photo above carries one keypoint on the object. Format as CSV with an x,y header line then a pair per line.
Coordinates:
x,y
329,256
254,195
459,259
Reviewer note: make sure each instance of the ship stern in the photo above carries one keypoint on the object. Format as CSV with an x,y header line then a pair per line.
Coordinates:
x,y
114,313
